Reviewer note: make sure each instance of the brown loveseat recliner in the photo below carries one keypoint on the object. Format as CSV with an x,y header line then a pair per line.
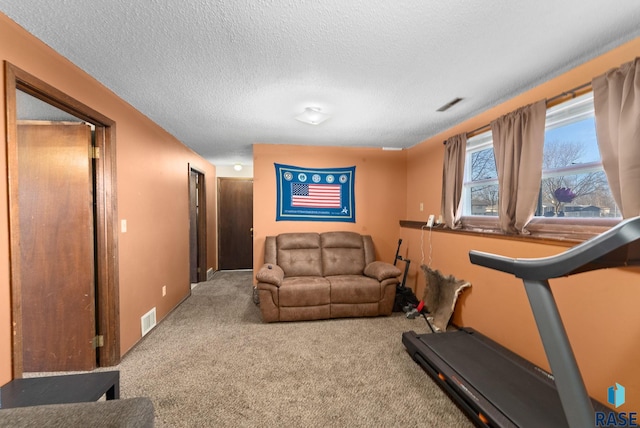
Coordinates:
x,y
310,276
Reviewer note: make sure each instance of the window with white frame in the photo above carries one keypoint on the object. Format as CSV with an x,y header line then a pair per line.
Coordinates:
x,y
573,181
480,191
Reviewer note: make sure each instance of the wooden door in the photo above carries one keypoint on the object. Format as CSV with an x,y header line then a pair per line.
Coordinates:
x,y
56,220
235,220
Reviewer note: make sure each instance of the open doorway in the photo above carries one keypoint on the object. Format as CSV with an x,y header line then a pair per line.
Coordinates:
x,y
197,226
63,241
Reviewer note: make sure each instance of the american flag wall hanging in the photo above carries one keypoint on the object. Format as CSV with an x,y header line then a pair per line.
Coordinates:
x,y
315,194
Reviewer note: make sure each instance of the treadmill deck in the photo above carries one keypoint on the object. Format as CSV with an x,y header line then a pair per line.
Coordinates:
x,y
505,388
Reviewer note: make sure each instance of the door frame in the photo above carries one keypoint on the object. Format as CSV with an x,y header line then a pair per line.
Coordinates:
x,y
201,222
106,241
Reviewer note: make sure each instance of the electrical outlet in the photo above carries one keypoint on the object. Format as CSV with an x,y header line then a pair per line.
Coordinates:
x,y
430,221
421,206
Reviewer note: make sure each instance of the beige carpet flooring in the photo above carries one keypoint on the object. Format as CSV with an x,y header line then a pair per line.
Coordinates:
x,y
213,363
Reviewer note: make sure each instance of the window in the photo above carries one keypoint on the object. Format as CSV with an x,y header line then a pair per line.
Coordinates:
x,y
480,191
573,181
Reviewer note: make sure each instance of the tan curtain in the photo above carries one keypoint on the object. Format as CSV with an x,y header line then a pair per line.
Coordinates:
x,y
518,141
452,177
616,99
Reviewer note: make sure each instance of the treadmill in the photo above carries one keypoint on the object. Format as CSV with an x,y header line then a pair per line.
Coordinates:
x,y
497,388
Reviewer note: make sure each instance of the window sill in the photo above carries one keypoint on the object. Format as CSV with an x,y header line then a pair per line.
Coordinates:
x,y
556,231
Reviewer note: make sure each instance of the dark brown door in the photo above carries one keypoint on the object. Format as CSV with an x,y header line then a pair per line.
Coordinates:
x,y
55,198
235,220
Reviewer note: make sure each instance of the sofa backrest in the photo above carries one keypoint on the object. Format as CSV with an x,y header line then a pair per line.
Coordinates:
x,y
299,254
342,253
320,254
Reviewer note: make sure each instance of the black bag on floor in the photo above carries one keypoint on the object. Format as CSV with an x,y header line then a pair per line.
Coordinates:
x,y
404,297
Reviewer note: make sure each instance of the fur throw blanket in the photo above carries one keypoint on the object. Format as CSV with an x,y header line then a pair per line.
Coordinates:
x,y
440,296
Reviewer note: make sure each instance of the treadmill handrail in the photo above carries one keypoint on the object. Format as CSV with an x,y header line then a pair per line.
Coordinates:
x,y
619,246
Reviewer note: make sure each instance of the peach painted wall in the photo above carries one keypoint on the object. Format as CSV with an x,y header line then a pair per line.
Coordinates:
x,y
379,190
599,309
152,194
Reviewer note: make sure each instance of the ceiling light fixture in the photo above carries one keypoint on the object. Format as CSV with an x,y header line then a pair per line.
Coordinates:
x,y
312,116
237,167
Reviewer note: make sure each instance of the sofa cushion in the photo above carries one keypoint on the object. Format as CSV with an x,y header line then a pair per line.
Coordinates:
x,y
299,254
354,289
342,253
304,291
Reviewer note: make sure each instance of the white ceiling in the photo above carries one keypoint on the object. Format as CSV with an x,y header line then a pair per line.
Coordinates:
x,y
222,75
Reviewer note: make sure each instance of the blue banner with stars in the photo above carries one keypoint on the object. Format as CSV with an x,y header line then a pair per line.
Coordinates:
x,y
315,194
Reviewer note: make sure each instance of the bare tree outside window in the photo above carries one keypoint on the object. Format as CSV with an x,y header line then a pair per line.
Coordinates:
x,y
484,193
582,190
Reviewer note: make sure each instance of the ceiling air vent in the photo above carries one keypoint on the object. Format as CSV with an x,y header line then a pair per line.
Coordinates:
x,y
450,104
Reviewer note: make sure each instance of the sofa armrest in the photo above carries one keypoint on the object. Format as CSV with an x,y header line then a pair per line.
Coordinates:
x,y
381,270
271,274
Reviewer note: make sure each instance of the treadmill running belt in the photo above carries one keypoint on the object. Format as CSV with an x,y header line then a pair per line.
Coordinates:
x,y
512,385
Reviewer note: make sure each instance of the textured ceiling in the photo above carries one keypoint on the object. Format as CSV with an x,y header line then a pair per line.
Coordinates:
x,y
221,75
